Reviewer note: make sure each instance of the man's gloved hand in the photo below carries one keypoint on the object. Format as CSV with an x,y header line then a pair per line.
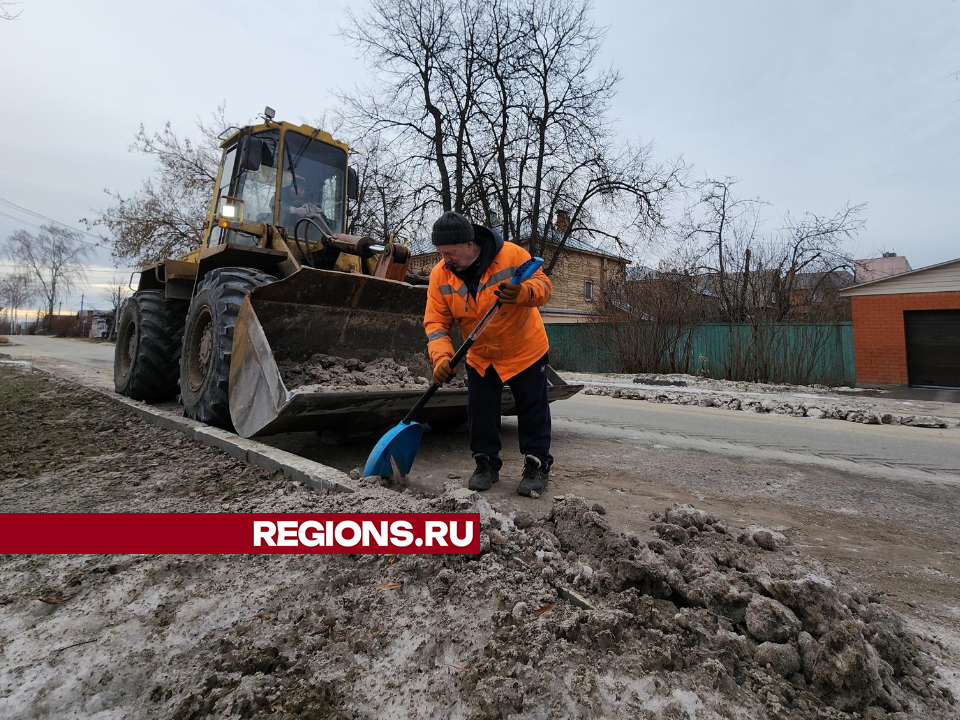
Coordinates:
x,y
508,293
443,372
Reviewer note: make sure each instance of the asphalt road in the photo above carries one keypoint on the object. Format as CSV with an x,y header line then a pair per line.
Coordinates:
x,y
30,347
889,452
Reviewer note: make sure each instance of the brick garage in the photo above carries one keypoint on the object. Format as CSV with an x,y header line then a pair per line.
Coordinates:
x,y
906,328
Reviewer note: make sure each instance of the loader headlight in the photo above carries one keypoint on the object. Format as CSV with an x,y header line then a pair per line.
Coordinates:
x,y
231,208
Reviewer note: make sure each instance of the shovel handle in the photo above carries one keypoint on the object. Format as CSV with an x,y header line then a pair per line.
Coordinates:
x,y
523,272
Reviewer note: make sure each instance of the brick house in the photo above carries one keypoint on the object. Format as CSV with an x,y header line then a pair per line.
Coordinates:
x,y
906,328
818,293
668,295
581,273
887,265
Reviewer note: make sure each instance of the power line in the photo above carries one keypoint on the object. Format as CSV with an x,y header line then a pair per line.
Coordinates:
x,y
12,204
19,220
104,273
86,272
90,277
41,216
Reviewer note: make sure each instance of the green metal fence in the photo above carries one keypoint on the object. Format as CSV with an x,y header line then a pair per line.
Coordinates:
x,y
819,353
579,348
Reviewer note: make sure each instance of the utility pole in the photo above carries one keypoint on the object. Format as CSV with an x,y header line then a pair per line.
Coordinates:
x,y
81,315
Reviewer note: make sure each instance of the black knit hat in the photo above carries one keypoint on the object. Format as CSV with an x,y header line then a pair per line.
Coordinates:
x,y
452,229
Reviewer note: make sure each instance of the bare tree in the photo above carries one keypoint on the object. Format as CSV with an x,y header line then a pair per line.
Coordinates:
x,y
165,218
755,273
500,105
810,247
647,323
575,163
16,290
725,230
115,294
407,40
773,291
390,203
6,13
53,258
770,285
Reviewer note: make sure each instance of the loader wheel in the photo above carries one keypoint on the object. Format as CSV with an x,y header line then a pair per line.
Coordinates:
x,y
149,334
208,343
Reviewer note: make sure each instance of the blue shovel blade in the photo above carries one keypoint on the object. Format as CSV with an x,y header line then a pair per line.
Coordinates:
x,y
400,443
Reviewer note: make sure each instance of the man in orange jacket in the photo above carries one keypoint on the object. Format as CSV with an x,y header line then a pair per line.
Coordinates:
x,y
475,270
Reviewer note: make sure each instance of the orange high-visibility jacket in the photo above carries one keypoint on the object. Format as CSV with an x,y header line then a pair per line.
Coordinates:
x,y
515,337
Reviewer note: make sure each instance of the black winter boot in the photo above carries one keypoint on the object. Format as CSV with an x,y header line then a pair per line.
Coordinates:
x,y
534,478
485,475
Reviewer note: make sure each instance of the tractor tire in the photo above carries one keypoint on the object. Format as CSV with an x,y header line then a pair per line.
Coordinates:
x,y
149,334
208,343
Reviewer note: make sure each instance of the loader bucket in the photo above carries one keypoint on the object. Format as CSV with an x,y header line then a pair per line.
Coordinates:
x,y
345,315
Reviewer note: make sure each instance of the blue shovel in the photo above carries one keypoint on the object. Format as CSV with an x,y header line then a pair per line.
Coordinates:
x,y
397,450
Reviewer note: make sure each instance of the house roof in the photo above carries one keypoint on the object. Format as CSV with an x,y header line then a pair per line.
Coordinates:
x,y
868,288
641,272
578,244
711,283
809,281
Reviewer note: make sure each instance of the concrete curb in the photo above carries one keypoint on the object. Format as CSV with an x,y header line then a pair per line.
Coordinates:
x,y
294,467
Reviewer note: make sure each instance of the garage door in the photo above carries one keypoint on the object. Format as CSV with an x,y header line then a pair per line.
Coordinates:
x,y
933,347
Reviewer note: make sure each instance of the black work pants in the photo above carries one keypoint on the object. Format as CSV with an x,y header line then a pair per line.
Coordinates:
x,y
529,388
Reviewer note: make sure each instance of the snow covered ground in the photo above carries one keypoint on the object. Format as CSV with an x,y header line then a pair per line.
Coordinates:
x,y
816,401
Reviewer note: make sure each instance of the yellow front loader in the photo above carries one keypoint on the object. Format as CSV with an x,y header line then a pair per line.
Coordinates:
x,y
277,280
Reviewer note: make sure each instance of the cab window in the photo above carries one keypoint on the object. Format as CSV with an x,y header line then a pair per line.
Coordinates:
x,y
258,188
312,183
223,188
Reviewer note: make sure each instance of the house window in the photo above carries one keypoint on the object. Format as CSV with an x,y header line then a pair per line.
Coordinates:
x,y
588,290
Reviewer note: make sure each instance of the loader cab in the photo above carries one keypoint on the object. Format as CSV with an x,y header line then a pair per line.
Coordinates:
x,y
276,177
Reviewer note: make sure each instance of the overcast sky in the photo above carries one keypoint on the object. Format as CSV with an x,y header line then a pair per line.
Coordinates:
x,y
812,104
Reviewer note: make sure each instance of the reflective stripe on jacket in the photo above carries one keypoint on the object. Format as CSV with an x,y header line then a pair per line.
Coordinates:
x,y
515,337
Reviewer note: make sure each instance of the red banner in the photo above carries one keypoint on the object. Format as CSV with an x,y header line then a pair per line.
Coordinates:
x,y
225,533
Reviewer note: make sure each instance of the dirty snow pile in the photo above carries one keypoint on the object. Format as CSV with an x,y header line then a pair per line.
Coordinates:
x,y
327,373
824,408
558,616
701,383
